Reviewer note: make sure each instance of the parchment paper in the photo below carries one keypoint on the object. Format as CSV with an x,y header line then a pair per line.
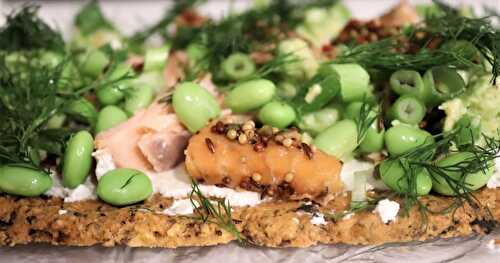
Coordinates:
x,y
470,249
132,15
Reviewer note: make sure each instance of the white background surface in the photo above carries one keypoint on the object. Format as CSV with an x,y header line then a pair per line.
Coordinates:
x,y
133,15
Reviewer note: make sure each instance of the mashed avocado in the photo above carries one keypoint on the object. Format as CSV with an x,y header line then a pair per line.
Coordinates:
x,y
482,100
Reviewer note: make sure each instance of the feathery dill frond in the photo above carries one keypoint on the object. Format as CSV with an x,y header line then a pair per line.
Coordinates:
x,y
25,31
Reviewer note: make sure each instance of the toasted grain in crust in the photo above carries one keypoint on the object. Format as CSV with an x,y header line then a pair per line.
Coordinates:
x,y
275,224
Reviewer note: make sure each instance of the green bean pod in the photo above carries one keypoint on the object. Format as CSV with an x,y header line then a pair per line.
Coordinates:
x,y
124,187
407,109
318,121
402,138
156,58
407,82
82,110
338,140
277,114
23,180
456,180
250,95
395,177
94,63
109,117
138,98
194,105
442,84
77,159
354,81
238,66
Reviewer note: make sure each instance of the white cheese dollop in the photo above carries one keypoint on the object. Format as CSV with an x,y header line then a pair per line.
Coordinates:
x,y
494,181
104,162
387,210
83,192
176,183
180,207
353,166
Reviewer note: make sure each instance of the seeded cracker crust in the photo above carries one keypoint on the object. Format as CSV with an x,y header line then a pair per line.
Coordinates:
x,y
34,220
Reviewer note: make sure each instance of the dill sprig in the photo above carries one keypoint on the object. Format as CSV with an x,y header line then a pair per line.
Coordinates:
x,y
423,157
354,207
384,55
449,25
25,31
208,212
28,98
365,119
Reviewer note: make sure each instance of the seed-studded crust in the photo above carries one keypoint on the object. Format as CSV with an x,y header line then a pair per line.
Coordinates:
x,y
275,224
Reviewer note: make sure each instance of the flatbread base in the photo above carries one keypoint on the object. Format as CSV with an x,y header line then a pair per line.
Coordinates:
x,y
273,224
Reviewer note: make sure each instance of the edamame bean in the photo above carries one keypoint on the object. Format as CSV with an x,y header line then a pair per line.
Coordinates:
x,y
374,139
109,117
354,81
124,187
441,84
238,66
113,93
250,95
194,105
454,182
408,109
318,121
407,82
23,180
338,140
156,58
77,159
138,98
277,114
82,110
94,63
395,177
402,138
56,121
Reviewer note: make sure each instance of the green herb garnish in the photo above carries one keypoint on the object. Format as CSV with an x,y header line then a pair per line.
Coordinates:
x,y
90,19
25,31
218,213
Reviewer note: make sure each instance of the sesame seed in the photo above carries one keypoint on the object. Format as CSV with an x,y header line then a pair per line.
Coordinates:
x,y
242,139
289,177
256,177
275,130
287,142
231,134
248,125
279,138
249,133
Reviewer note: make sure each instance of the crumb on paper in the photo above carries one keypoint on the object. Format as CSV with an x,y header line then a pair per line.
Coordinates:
x,y
387,210
318,219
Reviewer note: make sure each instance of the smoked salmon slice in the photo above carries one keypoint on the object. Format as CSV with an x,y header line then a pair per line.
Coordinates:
x,y
264,164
